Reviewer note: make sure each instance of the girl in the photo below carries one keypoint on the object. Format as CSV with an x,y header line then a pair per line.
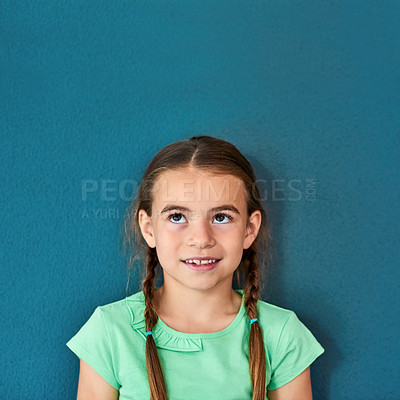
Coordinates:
x,y
199,213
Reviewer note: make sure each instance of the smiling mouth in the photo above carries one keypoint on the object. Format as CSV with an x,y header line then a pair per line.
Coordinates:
x,y
201,262
202,265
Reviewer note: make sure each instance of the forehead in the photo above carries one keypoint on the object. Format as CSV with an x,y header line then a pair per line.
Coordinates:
x,y
193,186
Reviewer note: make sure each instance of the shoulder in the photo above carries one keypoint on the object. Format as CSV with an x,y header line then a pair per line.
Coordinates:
x,y
281,328
273,317
121,304
112,320
269,314
131,308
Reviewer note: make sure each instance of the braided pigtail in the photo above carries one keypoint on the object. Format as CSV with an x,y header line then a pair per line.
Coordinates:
x,y
257,360
155,374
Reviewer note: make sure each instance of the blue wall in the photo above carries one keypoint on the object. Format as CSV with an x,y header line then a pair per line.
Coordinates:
x,y
307,90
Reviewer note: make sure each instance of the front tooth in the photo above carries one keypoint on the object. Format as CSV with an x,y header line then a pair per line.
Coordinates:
x,y
201,262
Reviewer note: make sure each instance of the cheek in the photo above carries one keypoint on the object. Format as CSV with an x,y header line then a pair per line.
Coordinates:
x,y
231,233
168,234
172,232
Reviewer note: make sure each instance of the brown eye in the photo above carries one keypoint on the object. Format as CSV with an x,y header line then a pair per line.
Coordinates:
x,y
177,218
222,218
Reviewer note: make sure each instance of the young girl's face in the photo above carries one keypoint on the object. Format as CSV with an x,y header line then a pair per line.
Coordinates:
x,y
199,226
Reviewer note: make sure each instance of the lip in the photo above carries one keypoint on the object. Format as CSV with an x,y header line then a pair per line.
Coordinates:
x,y
201,268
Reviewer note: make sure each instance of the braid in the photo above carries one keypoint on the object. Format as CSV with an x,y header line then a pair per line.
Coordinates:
x,y
155,375
257,361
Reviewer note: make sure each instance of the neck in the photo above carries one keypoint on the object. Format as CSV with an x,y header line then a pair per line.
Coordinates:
x,y
188,307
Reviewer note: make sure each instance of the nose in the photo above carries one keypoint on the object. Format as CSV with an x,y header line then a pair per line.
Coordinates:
x,y
200,235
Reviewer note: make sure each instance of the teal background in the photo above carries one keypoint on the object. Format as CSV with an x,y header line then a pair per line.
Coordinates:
x,y
306,90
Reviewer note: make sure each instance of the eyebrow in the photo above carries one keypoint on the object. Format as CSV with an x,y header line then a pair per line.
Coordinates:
x,y
225,207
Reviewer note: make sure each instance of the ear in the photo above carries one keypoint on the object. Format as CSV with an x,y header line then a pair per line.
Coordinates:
x,y
146,228
253,226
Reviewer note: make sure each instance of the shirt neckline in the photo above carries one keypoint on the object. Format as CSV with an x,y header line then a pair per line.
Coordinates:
x,y
162,326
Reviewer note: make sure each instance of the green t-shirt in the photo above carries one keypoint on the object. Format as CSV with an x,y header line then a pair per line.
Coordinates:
x,y
196,366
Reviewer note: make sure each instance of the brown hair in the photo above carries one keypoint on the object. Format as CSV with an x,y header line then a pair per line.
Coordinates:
x,y
221,157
